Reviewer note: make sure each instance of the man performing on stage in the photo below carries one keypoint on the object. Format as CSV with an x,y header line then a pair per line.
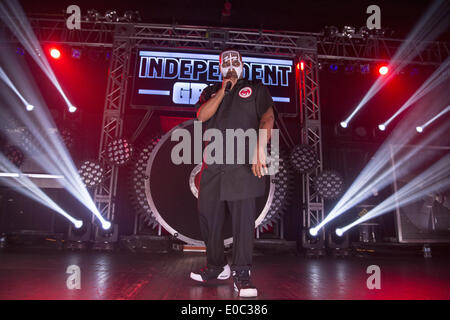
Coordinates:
x,y
234,104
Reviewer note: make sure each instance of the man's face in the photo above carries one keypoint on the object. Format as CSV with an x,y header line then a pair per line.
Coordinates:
x,y
230,64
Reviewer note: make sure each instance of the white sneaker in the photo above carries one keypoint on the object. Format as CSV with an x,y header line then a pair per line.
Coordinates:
x,y
206,274
243,285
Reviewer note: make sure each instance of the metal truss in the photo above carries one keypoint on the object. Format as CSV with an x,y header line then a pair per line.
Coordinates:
x,y
311,134
101,34
113,116
91,34
380,49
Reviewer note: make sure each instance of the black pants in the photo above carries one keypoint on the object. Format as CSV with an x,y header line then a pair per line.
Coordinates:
x,y
212,217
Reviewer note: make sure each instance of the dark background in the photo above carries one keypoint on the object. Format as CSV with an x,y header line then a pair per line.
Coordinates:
x,y
306,16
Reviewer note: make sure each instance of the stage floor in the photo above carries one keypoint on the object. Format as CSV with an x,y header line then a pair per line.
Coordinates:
x,y
41,274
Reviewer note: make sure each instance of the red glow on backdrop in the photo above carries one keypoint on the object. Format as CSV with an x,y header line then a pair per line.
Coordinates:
x,y
55,53
383,70
167,123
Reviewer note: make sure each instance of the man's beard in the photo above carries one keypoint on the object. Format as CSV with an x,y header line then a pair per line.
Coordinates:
x,y
231,74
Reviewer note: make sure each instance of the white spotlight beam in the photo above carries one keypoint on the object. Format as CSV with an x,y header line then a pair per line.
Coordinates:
x,y
33,191
56,158
384,178
437,177
440,114
15,19
31,175
379,173
9,83
439,76
430,26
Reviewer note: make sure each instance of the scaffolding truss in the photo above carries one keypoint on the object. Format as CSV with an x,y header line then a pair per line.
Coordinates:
x,y
311,135
113,116
371,48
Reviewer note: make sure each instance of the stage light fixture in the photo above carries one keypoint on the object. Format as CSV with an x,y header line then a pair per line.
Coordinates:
x,y
67,137
330,31
10,84
344,124
382,127
80,230
128,16
283,181
28,141
349,68
76,53
92,15
383,70
313,232
55,53
14,155
348,31
329,184
106,225
427,28
91,173
414,71
364,68
364,32
111,16
119,152
339,232
439,76
137,183
429,122
20,51
361,132
72,108
303,158
132,16
333,67
78,224
384,32
301,65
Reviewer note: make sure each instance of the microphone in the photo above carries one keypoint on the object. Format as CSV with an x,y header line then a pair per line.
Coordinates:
x,y
228,87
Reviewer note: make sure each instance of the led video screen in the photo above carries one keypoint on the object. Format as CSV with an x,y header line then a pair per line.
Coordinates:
x,y
174,79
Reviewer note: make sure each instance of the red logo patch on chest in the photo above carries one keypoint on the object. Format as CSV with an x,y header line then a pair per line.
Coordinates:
x,y
245,92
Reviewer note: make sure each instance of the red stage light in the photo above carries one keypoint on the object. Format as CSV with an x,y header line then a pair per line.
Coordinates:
x,y
301,66
383,70
55,53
